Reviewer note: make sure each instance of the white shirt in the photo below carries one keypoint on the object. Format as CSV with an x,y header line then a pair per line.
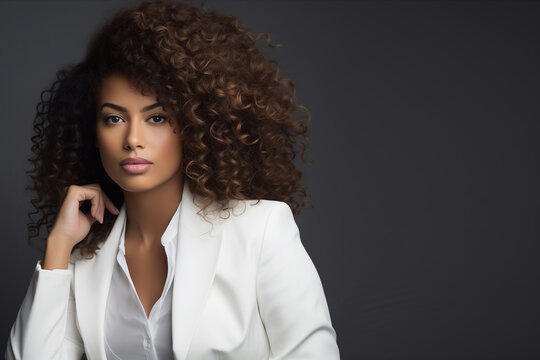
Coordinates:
x,y
129,334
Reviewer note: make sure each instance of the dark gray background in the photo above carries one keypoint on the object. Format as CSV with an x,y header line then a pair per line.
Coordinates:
x,y
425,162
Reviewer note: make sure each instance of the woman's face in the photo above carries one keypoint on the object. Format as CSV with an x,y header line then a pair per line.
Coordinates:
x,y
131,125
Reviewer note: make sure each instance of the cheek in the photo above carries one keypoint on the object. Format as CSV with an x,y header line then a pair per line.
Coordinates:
x,y
171,151
105,144
171,145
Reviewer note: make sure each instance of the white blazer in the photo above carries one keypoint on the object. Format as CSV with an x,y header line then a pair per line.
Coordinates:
x,y
244,288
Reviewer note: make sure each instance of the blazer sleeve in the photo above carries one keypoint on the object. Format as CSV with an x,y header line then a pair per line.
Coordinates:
x,y
45,326
290,295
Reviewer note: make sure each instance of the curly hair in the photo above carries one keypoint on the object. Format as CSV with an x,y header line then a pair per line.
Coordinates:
x,y
241,127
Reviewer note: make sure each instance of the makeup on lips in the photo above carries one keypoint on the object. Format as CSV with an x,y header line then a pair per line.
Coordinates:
x,y
136,165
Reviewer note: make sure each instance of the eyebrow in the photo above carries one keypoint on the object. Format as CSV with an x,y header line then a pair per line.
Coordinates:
x,y
123,109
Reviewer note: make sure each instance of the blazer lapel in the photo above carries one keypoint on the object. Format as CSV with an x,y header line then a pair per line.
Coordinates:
x,y
92,279
198,248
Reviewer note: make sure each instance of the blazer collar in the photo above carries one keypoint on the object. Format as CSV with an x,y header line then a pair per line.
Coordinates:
x,y
197,252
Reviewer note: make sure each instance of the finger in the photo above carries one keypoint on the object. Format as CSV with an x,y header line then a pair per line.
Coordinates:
x,y
86,193
75,197
95,208
90,218
101,207
99,212
110,205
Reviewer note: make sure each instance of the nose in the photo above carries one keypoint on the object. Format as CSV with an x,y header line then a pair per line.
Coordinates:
x,y
135,135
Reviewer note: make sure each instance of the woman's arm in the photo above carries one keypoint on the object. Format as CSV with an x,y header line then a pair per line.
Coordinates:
x,y
45,327
290,295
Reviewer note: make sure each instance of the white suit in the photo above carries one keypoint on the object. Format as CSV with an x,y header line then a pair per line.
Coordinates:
x,y
244,288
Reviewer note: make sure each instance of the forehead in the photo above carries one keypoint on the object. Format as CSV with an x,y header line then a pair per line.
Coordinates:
x,y
116,87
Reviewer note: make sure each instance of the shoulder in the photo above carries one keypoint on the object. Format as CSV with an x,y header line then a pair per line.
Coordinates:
x,y
256,212
259,222
257,230
251,218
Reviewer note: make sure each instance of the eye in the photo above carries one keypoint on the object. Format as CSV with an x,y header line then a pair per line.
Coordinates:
x,y
158,119
112,119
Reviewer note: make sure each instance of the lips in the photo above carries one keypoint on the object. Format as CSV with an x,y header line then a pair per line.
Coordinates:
x,y
136,165
136,168
134,161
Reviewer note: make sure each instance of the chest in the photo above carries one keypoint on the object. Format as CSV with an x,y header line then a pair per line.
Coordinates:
x,y
137,326
148,271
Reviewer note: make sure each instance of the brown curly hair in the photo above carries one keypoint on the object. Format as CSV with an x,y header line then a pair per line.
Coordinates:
x,y
240,125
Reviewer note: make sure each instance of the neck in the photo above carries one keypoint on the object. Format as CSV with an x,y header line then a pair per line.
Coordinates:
x,y
148,213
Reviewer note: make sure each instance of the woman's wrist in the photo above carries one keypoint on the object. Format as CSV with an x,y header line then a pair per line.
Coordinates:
x,y
57,252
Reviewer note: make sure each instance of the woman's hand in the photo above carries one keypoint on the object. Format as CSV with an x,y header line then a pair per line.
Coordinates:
x,y
72,225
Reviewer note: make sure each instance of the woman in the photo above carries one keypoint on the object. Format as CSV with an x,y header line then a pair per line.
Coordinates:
x,y
165,159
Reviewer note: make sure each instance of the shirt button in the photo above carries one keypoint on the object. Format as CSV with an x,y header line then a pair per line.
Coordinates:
x,y
146,343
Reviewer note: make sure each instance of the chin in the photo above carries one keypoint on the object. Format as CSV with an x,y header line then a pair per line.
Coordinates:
x,y
136,186
133,183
